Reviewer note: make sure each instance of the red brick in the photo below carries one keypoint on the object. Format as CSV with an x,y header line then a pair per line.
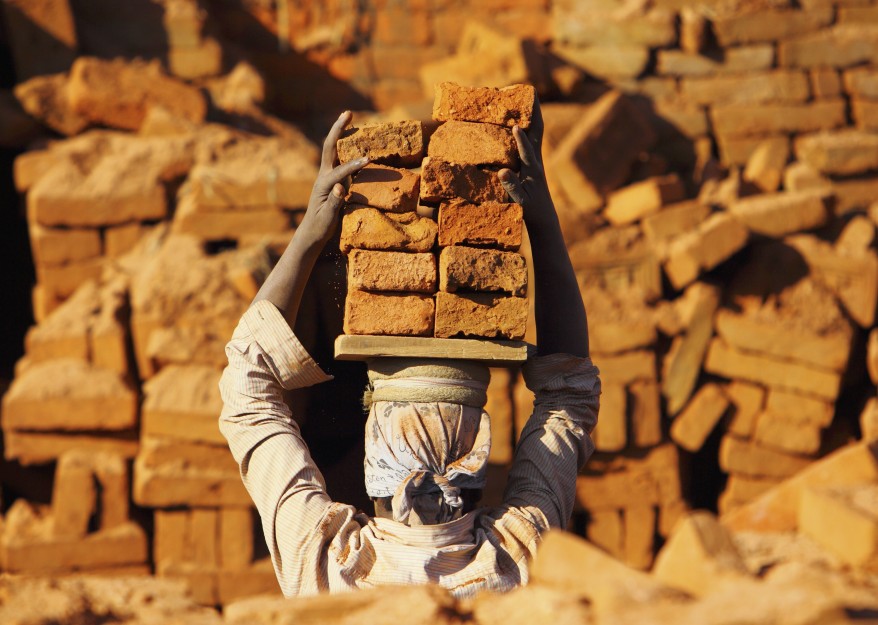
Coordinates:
x,y
56,246
480,315
695,423
769,26
387,188
398,144
840,153
508,106
777,214
492,223
842,45
371,229
473,269
752,88
614,125
584,26
393,314
119,93
733,61
444,181
391,271
740,120
641,199
468,143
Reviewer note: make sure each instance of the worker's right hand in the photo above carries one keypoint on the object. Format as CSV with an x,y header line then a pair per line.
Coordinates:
x,y
330,188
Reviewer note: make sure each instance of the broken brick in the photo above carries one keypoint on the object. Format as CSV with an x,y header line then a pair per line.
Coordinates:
x,y
372,229
394,314
473,269
480,315
387,188
391,271
445,181
509,106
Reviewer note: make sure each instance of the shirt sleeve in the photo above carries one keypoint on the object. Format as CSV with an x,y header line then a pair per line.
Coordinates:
x,y
287,488
556,441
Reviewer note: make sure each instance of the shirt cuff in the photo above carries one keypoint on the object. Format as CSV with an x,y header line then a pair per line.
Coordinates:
x,y
561,372
288,360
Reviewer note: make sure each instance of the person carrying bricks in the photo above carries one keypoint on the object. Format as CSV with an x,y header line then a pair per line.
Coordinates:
x,y
427,435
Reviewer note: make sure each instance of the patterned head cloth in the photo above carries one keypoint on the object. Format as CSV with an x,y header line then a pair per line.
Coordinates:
x,y
423,450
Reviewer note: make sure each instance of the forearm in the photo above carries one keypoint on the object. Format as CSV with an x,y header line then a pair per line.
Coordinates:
x,y
560,314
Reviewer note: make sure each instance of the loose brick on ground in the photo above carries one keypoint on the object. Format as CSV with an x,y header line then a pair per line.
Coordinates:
x,y
33,448
798,408
468,143
748,458
752,88
747,400
865,114
387,188
769,25
825,83
473,269
693,425
508,106
766,164
119,93
182,403
714,240
611,432
674,220
399,144
843,45
611,62
74,496
372,229
644,198
69,395
734,120
728,362
391,271
790,436
394,314
862,82
778,214
614,125
56,246
584,26
736,60
480,315
843,520
840,153
46,99
646,413
441,181
491,224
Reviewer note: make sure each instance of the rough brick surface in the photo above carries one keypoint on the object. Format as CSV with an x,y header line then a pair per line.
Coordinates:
x,y
391,271
472,269
777,214
444,181
480,315
387,188
388,314
508,106
372,229
840,153
614,125
120,93
750,119
491,224
399,144
468,143
69,395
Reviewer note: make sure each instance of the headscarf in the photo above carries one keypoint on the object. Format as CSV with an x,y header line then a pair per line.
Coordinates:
x,y
427,436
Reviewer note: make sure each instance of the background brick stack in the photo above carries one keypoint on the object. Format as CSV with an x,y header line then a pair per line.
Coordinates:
x,y
715,171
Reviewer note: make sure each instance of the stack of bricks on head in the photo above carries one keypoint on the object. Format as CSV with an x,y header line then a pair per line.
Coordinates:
x,y
478,286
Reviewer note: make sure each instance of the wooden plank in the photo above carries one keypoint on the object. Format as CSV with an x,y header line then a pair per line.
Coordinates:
x,y
364,347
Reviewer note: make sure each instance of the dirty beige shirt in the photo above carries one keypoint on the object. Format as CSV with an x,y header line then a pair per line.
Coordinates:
x,y
318,545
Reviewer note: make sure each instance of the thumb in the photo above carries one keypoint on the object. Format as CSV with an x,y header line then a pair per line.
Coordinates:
x,y
335,199
512,185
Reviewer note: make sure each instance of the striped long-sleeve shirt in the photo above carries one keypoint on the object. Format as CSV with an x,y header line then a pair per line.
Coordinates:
x,y
318,545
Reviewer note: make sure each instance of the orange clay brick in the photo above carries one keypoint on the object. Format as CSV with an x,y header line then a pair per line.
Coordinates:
x,y
395,314
492,223
508,106
474,269
480,315
391,271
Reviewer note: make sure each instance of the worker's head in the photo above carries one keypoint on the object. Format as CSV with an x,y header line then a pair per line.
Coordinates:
x,y
427,439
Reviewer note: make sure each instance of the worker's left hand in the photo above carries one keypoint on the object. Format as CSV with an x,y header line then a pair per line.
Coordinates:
x,y
529,187
330,188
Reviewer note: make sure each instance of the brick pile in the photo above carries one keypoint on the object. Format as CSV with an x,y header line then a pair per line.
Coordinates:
x,y
475,285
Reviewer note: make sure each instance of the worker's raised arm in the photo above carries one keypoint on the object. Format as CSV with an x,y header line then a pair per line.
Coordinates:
x,y
265,357
560,313
286,283
556,440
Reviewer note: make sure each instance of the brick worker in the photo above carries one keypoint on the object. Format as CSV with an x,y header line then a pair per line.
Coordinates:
x,y
427,435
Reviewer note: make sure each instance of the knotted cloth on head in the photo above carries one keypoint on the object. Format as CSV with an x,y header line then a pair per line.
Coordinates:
x,y
427,435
